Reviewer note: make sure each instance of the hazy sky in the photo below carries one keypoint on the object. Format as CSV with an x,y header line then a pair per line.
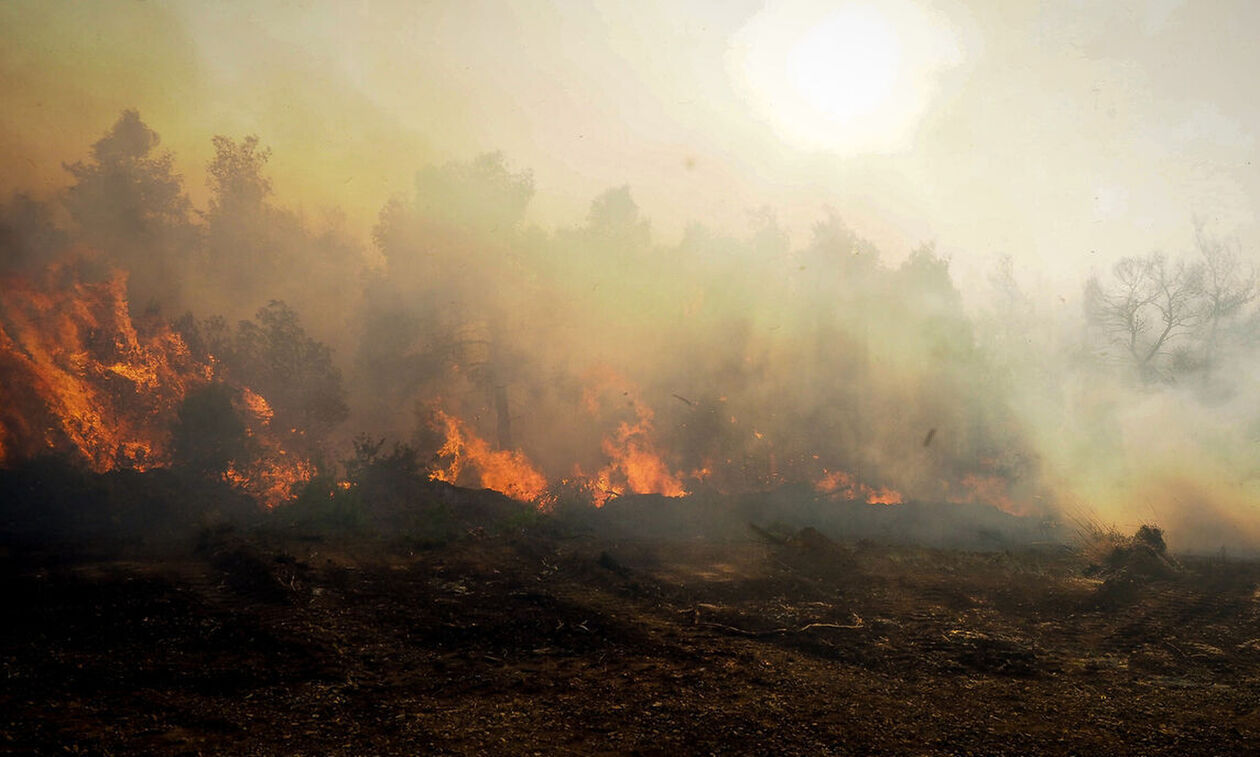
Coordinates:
x,y
1064,133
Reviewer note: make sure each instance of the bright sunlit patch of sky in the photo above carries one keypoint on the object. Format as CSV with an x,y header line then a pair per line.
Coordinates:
x,y
851,78
1064,134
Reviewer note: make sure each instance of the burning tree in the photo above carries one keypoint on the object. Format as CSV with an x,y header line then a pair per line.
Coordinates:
x,y
85,381
273,354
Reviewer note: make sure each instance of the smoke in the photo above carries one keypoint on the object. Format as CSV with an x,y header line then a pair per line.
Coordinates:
x,y
724,361
1137,395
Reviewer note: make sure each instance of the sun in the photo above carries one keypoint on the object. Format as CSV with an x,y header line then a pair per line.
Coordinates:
x,y
851,78
845,67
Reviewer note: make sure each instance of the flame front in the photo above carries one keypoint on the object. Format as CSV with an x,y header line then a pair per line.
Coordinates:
x,y
635,466
470,459
81,378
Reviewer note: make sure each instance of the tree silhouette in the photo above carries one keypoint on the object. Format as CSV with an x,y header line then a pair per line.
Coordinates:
x,y
614,219
128,200
209,433
235,176
252,247
273,355
1147,311
1228,286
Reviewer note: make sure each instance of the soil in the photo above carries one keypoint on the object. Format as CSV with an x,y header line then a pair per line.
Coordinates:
x,y
550,640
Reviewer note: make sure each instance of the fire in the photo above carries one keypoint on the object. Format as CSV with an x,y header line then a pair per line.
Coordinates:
x,y
472,460
884,496
635,465
258,407
271,478
272,475
80,377
845,485
987,490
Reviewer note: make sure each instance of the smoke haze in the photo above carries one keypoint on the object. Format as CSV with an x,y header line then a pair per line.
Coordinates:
x,y
585,238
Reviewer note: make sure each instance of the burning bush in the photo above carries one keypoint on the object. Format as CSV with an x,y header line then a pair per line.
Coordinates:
x,y
592,355
86,381
273,355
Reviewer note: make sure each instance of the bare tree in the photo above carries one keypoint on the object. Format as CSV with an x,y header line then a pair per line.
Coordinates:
x,y
1148,310
1229,285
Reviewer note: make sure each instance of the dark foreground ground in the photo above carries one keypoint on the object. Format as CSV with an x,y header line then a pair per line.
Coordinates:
x,y
554,641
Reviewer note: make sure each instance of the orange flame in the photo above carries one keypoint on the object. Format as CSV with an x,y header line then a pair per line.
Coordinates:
x,y
635,465
272,479
988,490
80,378
471,459
257,406
845,485
272,476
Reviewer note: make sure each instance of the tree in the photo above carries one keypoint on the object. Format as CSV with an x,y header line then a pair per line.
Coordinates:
x,y
614,219
1228,287
235,176
273,356
482,194
128,200
209,433
454,269
29,236
127,187
254,248
1149,309
251,247
835,246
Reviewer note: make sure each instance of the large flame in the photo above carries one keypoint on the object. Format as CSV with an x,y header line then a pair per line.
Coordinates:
x,y
634,464
80,377
470,460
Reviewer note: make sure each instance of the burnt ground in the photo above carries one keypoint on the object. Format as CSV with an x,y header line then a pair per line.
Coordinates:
x,y
546,640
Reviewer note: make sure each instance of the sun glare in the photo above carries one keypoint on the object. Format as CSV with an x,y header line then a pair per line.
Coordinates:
x,y
850,79
846,66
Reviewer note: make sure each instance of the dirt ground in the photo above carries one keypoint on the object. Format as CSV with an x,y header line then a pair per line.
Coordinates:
x,y
544,641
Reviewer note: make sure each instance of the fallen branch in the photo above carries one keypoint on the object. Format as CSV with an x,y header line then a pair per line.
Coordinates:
x,y
766,535
781,631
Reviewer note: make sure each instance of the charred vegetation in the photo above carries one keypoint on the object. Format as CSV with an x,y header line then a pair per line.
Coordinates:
x,y
479,486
